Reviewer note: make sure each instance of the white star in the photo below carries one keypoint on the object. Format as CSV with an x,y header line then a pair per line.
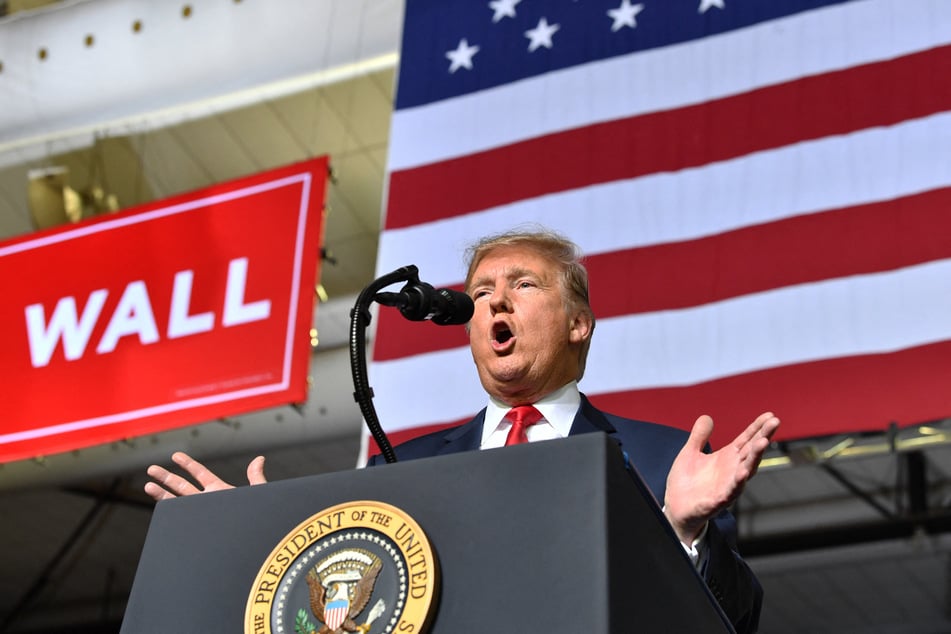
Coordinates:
x,y
462,56
706,4
503,9
625,15
541,35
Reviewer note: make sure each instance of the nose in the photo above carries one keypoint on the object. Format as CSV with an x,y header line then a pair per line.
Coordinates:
x,y
499,300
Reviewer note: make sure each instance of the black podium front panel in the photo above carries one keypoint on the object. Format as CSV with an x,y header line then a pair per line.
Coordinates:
x,y
546,538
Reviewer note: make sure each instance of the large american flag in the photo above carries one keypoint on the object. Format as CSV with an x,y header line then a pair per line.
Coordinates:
x,y
761,187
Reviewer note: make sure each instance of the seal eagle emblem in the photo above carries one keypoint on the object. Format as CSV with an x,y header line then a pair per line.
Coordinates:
x,y
341,585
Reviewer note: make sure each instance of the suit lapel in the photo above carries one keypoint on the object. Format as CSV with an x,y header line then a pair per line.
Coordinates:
x,y
589,419
466,437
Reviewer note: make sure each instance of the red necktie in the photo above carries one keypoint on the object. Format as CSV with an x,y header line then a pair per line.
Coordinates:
x,y
522,417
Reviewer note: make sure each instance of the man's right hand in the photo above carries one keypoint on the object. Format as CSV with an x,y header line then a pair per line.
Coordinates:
x,y
168,485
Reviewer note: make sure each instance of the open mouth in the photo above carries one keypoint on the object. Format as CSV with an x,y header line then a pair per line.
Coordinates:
x,y
501,333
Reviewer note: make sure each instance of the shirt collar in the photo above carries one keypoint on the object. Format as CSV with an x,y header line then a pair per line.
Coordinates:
x,y
559,409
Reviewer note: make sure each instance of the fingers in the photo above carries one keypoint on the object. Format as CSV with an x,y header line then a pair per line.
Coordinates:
x,y
770,427
761,439
763,427
198,471
167,484
753,429
757,445
256,471
700,434
156,492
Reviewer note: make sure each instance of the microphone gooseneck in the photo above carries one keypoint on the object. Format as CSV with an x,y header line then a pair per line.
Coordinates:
x,y
417,301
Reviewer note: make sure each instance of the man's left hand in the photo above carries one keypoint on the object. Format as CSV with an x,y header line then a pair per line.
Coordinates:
x,y
700,485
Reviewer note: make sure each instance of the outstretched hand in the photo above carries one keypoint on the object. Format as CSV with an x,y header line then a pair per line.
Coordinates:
x,y
700,485
168,485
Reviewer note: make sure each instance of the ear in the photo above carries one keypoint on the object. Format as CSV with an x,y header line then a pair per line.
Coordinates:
x,y
580,328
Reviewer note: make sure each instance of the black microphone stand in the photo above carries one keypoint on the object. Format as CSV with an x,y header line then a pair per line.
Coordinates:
x,y
359,320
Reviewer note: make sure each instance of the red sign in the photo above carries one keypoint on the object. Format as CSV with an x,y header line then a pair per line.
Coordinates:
x,y
169,314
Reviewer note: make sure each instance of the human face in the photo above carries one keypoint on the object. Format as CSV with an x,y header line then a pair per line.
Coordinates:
x,y
525,342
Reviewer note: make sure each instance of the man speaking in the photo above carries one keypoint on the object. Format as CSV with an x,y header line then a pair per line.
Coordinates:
x,y
529,336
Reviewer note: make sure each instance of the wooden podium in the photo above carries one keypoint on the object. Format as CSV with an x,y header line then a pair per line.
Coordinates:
x,y
544,538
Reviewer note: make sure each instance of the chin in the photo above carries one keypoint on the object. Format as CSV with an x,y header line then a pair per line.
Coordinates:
x,y
505,370
504,382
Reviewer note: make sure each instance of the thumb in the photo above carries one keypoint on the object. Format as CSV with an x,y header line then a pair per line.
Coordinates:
x,y
700,434
256,471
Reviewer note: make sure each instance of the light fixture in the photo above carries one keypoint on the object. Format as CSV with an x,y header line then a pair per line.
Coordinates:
x,y
53,202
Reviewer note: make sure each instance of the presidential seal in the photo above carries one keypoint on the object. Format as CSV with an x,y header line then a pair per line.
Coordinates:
x,y
357,567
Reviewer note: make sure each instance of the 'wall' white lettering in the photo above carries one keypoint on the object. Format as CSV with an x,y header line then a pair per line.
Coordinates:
x,y
134,316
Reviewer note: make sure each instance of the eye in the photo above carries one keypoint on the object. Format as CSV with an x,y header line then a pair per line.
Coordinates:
x,y
525,284
479,292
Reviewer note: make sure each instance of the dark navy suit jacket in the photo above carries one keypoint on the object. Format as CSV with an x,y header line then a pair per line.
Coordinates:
x,y
651,448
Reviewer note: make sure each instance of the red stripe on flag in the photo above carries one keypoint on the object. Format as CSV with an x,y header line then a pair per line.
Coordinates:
x,y
862,239
850,394
879,94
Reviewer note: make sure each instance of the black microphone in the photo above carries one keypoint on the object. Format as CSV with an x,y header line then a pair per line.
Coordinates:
x,y
419,301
